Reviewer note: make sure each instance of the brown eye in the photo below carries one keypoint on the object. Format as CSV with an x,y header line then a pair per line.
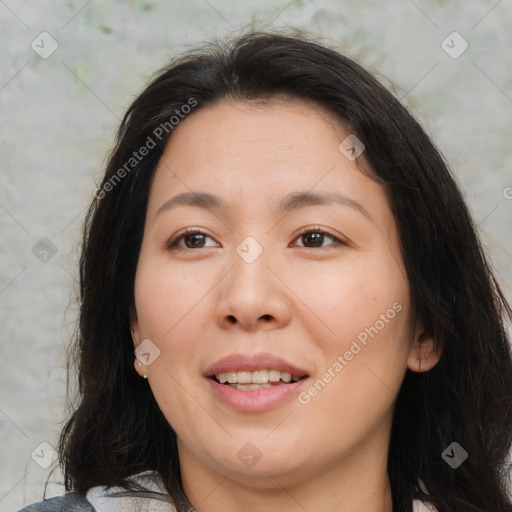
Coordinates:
x,y
316,238
195,240
192,239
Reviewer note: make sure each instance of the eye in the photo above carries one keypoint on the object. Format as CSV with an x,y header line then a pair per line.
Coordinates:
x,y
192,238
315,237
195,239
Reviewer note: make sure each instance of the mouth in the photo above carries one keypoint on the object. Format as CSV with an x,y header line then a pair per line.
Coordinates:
x,y
255,382
248,380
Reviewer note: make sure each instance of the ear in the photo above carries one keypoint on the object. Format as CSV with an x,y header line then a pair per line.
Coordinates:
x,y
134,326
424,354
136,337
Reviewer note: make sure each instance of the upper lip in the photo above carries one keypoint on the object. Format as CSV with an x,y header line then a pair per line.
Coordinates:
x,y
253,362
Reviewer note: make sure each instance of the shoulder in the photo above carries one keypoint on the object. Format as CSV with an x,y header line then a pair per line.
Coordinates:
x,y
70,502
75,502
112,499
155,497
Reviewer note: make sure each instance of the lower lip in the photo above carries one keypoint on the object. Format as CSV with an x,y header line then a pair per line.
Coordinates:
x,y
255,400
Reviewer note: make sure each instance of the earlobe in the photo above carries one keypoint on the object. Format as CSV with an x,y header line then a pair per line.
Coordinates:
x,y
139,368
425,353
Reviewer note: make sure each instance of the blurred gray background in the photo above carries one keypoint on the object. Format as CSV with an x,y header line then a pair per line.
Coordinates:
x,y
68,71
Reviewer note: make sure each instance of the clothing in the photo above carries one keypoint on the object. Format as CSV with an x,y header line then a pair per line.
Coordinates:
x,y
72,502
419,506
150,480
98,500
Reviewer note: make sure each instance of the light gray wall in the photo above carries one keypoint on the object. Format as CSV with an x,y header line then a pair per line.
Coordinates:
x,y
59,114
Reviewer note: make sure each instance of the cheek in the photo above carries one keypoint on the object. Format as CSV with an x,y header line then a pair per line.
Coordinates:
x,y
350,296
166,316
166,300
363,339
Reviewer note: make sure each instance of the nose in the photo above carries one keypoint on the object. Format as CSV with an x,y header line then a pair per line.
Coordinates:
x,y
253,296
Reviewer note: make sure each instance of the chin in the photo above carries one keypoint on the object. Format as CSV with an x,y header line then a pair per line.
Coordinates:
x,y
270,474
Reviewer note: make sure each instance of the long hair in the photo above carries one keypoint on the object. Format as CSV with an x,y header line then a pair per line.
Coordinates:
x,y
117,428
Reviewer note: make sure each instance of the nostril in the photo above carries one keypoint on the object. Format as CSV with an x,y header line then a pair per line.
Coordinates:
x,y
267,317
232,319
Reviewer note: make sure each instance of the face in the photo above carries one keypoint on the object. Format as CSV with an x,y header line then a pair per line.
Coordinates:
x,y
282,278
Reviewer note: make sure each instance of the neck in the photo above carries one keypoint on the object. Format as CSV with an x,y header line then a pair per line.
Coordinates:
x,y
358,483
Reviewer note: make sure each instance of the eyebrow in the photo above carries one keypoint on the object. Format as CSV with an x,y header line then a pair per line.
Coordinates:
x,y
292,201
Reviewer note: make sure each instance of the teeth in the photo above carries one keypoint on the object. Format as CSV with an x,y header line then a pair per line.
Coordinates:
x,y
274,375
231,377
257,377
260,377
286,377
250,387
244,377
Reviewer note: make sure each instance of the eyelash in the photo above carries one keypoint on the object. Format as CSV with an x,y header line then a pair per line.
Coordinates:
x,y
173,244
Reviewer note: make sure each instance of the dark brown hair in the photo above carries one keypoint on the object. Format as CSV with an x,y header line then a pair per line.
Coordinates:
x,y
118,430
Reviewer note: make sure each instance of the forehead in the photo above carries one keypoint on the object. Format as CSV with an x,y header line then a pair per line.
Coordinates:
x,y
239,129
251,151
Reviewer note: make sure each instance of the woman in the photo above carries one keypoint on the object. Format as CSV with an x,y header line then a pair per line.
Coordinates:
x,y
280,253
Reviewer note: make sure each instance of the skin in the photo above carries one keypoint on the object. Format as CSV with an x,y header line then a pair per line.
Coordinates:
x,y
302,301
